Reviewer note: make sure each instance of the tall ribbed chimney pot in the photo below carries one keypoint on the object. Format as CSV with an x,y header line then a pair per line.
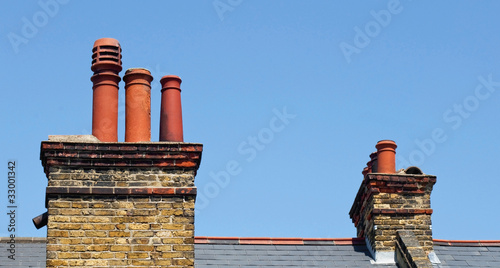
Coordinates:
x,y
106,64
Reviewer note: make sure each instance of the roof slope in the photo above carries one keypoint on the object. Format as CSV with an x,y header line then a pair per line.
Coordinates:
x,y
283,252
212,256
468,256
29,252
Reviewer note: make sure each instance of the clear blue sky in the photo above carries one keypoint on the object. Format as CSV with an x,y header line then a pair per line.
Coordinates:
x,y
423,73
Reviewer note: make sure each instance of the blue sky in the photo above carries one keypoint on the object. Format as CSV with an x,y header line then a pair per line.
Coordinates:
x,y
295,94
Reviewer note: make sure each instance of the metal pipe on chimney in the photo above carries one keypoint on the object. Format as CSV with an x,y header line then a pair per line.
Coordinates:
x,y
41,220
137,105
386,156
106,64
171,111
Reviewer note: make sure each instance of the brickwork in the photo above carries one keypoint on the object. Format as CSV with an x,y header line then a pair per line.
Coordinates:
x,y
120,204
409,253
386,203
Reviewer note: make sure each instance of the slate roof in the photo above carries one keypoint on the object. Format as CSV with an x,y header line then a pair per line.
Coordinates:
x,y
29,252
285,252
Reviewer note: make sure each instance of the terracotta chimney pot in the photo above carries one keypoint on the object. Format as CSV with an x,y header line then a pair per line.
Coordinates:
x,y
137,105
106,64
386,156
171,110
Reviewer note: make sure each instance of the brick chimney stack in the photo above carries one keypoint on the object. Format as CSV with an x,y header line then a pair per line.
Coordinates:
x,y
119,204
391,204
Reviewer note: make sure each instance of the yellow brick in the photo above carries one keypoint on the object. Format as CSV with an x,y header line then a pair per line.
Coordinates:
x,y
105,241
164,248
55,263
76,233
172,226
79,219
73,263
93,233
163,262
57,247
143,262
142,233
70,211
121,241
120,255
143,248
138,226
85,255
100,205
118,234
120,248
137,255
98,247
183,247
102,255
79,205
56,233
172,240
59,204
114,263
68,255
59,219
183,233
99,219
96,263
183,262
171,212
104,212
87,226
104,226
123,205
145,205
69,226
171,255
70,241
140,241
77,248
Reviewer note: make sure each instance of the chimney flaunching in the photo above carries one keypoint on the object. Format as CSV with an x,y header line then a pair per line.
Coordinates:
x,y
389,202
120,204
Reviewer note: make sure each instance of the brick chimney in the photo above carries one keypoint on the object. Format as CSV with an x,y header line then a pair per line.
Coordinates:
x,y
127,204
389,203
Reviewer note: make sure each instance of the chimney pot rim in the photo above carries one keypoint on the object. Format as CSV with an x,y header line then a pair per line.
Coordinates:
x,y
170,77
386,144
137,70
107,41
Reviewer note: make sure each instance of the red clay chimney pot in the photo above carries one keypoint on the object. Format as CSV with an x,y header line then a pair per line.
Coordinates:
x,y
106,64
137,105
171,110
386,156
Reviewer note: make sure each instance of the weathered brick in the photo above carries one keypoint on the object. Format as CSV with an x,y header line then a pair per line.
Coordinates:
x,y
120,230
